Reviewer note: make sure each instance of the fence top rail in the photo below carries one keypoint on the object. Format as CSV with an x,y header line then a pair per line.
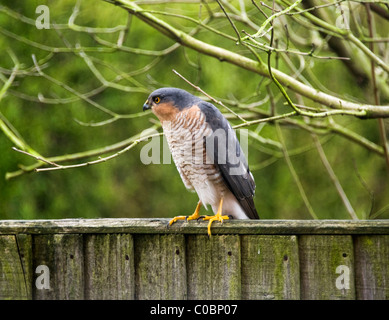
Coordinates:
x,y
159,226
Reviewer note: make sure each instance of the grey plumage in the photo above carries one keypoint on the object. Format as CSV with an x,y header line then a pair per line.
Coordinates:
x,y
241,184
206,151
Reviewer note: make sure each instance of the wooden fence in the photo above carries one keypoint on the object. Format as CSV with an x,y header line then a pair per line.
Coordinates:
x,y
143,259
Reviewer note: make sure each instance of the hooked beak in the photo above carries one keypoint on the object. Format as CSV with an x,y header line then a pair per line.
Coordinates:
x,y
146,106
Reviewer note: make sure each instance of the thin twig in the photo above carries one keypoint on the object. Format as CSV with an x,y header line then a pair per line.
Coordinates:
x,y
56,166
271,18
229,19
5,126
294,174
209,97
70,89
280,135
343,33
36,157
334,178
265,47
381,123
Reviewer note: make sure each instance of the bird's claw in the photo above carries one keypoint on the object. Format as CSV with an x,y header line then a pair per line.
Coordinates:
x,y
194,216
175,219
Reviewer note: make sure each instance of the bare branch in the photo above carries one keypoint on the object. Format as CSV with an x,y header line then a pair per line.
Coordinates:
x,y
334,178
55,166
209,97
254,66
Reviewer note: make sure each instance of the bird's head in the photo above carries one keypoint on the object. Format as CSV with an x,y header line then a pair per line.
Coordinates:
x,y
167,102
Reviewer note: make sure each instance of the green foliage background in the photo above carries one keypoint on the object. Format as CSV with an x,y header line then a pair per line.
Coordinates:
x,y
124,187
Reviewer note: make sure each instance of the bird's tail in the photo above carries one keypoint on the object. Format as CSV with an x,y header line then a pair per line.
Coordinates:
x,y
249,207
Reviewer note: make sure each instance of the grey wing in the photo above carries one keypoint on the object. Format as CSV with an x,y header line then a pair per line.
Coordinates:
x,y
227,154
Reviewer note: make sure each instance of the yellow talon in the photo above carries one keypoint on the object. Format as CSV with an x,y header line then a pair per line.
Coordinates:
x,y
194,216
217,217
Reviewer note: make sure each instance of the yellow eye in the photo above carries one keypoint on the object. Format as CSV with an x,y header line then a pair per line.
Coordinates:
x,y
157,99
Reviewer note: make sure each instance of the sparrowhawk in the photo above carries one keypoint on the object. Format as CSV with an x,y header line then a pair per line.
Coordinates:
x,y
207,154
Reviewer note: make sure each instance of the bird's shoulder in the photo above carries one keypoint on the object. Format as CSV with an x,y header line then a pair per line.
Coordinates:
x,y
213,116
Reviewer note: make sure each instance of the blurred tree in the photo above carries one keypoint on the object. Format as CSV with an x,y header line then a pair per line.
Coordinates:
x,y
75,74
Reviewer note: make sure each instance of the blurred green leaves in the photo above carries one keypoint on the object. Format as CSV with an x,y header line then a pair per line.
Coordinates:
x,y
95,66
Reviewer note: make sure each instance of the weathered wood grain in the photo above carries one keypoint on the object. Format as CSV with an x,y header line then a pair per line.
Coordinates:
x,y
320,258
148,226
13,279
270,267
213,267
160,264
142,259
24,242
372,267
63,255
109,267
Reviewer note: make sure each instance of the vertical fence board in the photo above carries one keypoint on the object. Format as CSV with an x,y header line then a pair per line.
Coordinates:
x,y
160,267
24,242
372,267
321,256
109,267
270,267
213,267
62,254
13,281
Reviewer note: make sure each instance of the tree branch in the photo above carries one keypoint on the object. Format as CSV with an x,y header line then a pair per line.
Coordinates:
x,y
222,54
132,142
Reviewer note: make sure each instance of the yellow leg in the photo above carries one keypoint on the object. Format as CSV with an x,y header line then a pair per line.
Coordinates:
x,y
194,216
217,217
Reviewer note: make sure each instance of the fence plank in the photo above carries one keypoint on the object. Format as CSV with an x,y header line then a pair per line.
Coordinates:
x,y
160,265
109,267
214,267
372,267
62,255
153,225
141,259
13,282
24,242
270,267
326,267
